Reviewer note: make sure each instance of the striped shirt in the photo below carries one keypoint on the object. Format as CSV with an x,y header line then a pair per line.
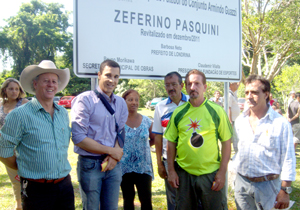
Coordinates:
x,y
269,150
41,142
162,115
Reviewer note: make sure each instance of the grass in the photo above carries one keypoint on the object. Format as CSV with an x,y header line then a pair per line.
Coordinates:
x,y
158,188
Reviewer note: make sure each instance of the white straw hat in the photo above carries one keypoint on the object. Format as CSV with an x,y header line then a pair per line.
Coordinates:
x,y
46,66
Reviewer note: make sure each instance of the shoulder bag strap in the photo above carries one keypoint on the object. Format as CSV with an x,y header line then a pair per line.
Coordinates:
x,y
121,134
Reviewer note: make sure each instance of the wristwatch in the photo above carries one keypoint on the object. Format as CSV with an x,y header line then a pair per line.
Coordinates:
x,y
287,190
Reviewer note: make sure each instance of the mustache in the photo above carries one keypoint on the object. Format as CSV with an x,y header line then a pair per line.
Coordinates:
x,y
170,91
192,91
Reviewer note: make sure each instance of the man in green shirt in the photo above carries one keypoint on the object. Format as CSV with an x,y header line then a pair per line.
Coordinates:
x,y
193,132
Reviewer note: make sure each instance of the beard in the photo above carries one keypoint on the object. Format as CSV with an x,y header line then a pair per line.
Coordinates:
x,y
194,94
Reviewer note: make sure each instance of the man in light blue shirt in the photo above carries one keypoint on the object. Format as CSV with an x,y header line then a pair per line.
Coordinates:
x,y
39,131
266,157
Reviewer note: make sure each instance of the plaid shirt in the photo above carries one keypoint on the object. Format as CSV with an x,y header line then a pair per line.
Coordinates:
x,y
269,150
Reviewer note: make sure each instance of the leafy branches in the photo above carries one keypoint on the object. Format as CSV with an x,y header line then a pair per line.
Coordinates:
x,y
270,35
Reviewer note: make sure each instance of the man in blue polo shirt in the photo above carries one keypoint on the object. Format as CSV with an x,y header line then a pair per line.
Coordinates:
x,y
39,131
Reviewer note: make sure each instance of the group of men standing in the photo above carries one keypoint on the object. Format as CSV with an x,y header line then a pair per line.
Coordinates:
x,y
192,129
188,131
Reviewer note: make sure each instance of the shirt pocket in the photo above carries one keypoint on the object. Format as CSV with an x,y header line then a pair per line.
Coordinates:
x,y
267,141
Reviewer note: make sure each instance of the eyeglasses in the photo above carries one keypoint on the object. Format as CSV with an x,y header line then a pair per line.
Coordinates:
x,y
171,85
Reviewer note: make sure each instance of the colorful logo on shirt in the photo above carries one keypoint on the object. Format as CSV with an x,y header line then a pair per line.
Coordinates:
x,y
196,138
165,119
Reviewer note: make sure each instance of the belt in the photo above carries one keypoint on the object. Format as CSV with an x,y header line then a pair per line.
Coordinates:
x,y
46,181
268,177
101,157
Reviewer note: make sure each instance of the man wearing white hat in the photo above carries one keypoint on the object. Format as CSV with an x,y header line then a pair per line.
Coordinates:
x,y
40,132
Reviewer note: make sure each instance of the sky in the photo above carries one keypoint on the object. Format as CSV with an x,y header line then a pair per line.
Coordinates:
x,y
11,8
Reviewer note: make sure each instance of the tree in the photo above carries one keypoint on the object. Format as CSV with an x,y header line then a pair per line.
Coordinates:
x,y
148,89
4,75
287,81
270,35
212,87
36,33
76,84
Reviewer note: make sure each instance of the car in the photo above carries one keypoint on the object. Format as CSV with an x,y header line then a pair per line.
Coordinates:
x,y
65,101
241,103
156,101
56,99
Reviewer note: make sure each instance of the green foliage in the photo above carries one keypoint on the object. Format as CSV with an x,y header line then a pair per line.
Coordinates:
x,y
148,89
123,86
36,33
4,75
271,35
212,87
76,84
287,81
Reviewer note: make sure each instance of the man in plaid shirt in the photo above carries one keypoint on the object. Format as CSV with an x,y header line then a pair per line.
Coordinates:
x,y
266,157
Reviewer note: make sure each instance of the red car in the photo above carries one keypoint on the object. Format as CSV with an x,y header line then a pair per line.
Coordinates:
x,y
65,101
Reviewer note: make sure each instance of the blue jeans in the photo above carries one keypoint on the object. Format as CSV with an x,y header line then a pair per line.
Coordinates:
x,y
96,187
255,195
170,191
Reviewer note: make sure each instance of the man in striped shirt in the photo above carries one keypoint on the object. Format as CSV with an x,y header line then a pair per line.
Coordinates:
x,y
162,115
39,131
266,157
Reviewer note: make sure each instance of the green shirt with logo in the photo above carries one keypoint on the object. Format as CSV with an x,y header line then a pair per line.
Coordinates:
x,y
196,130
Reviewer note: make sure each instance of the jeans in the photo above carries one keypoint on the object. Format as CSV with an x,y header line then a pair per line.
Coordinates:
x,y
255,195
96,187
170,191
143,183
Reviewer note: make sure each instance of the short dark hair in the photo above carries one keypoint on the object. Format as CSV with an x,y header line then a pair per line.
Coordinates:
x,y
216,91
109,63
176,74
195,71
127,92
266,84
297,94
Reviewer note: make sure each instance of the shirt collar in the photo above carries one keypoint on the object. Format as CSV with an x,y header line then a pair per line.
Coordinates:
x,y
183,98
270,113
204,102
37,105
108,98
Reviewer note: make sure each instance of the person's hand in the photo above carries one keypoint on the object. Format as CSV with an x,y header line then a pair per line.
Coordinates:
x,y
283,200
289,119
173,179
219,182
111,163
116,153
162,171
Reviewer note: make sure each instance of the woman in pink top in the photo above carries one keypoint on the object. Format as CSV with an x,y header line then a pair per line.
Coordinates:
x,y
12,95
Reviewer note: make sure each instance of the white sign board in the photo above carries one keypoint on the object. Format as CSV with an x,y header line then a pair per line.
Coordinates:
x,y
150,38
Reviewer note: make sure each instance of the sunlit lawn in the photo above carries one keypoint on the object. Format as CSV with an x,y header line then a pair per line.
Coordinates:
x,y
158,189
